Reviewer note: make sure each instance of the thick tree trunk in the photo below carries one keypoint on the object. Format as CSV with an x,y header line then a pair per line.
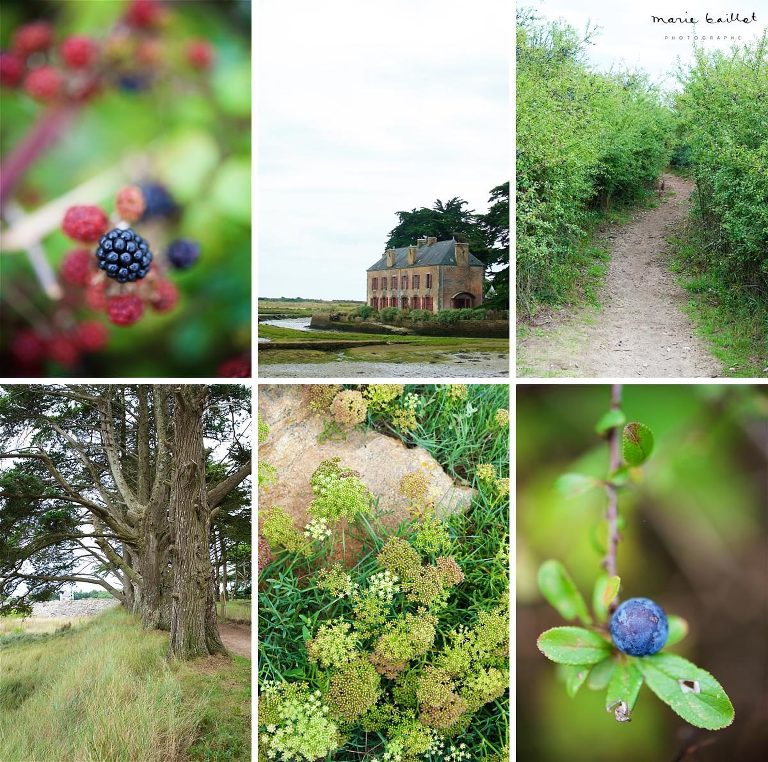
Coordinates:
x,y
194,630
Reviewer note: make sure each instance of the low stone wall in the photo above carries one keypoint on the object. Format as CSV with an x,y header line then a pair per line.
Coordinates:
x,y
83,607
478,329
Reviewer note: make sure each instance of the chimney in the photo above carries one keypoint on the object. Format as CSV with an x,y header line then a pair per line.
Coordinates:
x,y
412,255
462,254
390,253
421,242
431,241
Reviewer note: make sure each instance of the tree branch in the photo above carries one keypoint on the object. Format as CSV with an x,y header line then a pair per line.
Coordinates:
x,y
222,489
612,512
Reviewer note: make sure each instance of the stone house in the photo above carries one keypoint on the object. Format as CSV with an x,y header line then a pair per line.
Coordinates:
x,y
432,275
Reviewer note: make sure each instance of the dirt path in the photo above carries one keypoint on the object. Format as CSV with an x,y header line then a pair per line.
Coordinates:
x,y
641,329
236,638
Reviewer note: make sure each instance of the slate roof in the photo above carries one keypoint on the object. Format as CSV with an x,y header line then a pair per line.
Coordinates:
x,y
440,253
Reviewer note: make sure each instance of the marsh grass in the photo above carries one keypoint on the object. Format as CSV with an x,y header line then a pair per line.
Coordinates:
x,y
238,610
104,691
460,436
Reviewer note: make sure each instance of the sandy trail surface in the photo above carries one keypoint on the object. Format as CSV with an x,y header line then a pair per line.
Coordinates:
x,y
236,638
641,329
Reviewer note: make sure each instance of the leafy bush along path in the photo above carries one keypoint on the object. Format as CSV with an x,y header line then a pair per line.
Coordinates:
x,y
641,329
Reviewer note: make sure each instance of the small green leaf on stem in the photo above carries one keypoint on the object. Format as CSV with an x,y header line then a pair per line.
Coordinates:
x,y
560,591
624,685
610,420
606,589
575,675
620,476
690,691
678,629
573,485
600,675
637,443
573,645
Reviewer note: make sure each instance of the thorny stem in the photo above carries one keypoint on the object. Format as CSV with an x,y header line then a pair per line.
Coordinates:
x,y
49,127
612,512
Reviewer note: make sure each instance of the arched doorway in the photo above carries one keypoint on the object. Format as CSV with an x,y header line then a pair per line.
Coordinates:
x,y
462,300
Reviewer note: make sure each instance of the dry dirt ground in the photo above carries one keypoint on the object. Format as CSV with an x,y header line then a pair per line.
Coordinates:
x,y
641,329
236,638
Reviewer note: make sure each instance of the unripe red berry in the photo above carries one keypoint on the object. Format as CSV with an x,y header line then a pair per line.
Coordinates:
x,y
125,309
96,296
33,38
130,203
235,367
11,70
165,297
44,84
28,347
63,351
77,267
78,52
200,54
145,13
85,223
91,336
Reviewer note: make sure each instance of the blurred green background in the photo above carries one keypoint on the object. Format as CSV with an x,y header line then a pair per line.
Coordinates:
x,y
190,131
694,540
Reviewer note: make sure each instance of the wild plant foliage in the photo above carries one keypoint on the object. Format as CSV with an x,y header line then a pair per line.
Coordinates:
x,y
723,112
585,141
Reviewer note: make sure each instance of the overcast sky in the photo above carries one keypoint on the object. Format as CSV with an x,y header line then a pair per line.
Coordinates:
x,y
629,39
365,109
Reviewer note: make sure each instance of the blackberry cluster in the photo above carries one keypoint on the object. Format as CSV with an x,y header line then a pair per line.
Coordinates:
x,y
124,255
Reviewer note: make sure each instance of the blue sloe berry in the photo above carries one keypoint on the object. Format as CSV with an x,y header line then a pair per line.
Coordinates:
x,y
639,627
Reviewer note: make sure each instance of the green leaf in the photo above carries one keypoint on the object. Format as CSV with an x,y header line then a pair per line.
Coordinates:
x,y
624,685
575,675
700,700
637,443
558,588
600,675
610,420
573,645
573,485
620,476
678,629
606,589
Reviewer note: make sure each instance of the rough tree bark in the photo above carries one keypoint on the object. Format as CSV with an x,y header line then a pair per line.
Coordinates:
x,y
194,629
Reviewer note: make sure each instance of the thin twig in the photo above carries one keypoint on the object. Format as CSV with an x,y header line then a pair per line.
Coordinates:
x,y
612,512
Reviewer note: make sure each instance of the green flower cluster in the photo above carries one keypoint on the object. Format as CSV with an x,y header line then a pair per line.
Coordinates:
x,y
403,640
266,473
339,493
354,689
398,557
432,536
317,530
439,704
263,429
486,473
416,487
278,530
294,725
320,396
349,408
336,581
483,687
501,418
334,644
381,396
404,418
383,585
457,392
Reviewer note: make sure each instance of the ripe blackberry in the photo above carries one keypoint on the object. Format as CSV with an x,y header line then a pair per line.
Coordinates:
x,y
44,84
125,309
78,52
183,253
76,267
63,351
84,223
33,38
11,70
159,203
130,203
124,255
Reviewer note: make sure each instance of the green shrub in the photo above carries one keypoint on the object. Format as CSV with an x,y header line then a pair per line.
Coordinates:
x,y
390,315
420,315
365,312
586,141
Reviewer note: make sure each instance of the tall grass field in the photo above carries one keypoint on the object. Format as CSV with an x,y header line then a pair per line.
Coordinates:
x,y
105,692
